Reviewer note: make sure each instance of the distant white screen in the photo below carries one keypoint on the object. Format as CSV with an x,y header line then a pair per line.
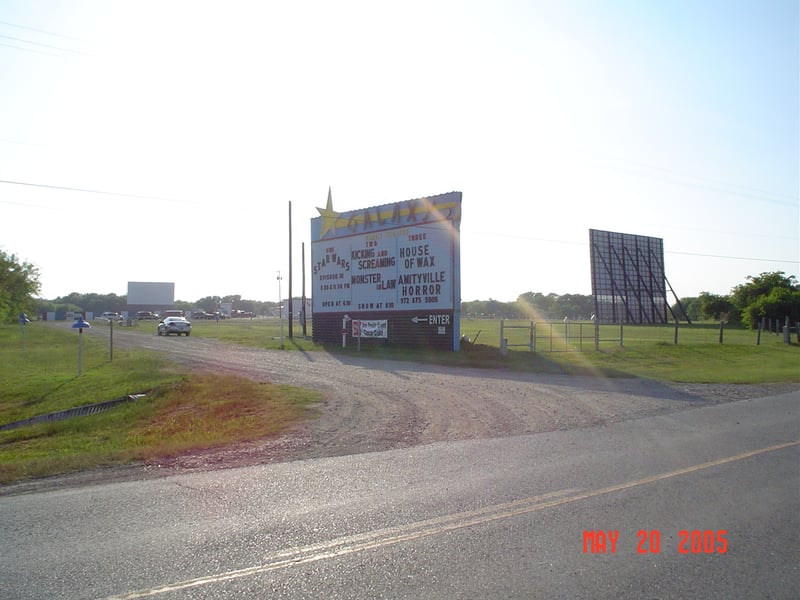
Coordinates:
x,y
155,293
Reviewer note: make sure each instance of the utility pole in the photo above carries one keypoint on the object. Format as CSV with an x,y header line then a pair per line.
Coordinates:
x,y
291,307
280,307
303,314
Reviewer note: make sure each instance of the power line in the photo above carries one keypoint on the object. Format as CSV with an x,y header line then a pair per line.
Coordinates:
x,y
16,39
732,257
34,51
574,243
22,204
713,184
85,190
61,35
549,241
16,142
674,179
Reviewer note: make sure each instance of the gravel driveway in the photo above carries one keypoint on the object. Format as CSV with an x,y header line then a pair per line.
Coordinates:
x,y
372,404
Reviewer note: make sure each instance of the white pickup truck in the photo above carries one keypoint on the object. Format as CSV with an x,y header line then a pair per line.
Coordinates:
x,y
109,316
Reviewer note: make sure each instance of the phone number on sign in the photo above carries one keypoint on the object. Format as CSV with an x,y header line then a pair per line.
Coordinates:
x,y
696,541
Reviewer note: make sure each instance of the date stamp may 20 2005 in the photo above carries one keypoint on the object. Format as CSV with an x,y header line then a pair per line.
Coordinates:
x,y
694,541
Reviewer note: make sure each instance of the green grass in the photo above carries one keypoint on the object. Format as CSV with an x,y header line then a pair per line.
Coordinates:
x,y
257,333
181,412
647,351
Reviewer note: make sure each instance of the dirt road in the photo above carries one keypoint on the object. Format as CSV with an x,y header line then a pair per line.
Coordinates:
x,y
371,404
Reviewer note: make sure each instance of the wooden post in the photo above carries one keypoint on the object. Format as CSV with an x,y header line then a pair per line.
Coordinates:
x,y
531,340
291,306
721,325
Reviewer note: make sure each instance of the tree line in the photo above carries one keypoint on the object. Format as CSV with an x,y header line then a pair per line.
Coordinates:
x,y
98,303
768,295
772,295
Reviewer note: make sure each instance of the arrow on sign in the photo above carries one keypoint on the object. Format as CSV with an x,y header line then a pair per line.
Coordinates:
x,y
419,319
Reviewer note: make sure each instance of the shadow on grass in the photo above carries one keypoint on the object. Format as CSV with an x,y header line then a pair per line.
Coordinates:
x,y
486,363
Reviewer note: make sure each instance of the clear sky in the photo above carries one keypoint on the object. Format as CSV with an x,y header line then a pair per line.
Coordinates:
x,y
673,119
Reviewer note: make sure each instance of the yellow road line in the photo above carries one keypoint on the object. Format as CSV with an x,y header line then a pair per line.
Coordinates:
x,y
429,527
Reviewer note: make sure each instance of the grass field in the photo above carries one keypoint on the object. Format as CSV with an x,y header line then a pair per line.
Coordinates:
x,y
258,333
648,351
645,351
183,412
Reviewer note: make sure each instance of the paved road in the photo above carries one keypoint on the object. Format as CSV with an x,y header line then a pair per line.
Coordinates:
x,y
483,518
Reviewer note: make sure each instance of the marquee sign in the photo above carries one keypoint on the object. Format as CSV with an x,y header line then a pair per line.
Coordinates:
x,y
385,262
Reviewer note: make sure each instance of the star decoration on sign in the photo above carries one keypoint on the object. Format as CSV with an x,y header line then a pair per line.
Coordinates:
x,y
329,216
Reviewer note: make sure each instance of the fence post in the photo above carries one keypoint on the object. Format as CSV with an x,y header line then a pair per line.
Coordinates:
x,y
596,335
758,337
502,333
531,337
620,335
676,333
721,323
534,337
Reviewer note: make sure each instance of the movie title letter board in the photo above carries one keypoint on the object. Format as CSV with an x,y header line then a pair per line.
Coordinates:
x,y
396,262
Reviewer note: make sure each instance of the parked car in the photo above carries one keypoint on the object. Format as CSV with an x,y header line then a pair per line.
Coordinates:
x,y
109,316
146,315
173,313
177,325
200,314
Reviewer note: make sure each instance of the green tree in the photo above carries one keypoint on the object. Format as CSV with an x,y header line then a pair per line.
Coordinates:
x,y
770,295
209,303
538,306
780,303
713,306
692,306
19,285
92,302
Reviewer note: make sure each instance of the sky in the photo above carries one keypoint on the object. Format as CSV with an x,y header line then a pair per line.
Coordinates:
x,y
165,141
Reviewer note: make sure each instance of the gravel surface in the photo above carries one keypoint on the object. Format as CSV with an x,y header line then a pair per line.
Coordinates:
x,y
371,405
